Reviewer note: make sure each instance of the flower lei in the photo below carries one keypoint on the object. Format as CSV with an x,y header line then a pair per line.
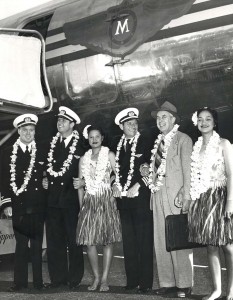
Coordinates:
x,y
28,174
201,169
162,167
67,162
93,184
131,169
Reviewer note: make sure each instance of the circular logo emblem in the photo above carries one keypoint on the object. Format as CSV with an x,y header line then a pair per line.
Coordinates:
x,y
122,29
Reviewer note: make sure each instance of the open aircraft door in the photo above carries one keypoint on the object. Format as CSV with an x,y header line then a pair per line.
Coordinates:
x,y
23,80
23,88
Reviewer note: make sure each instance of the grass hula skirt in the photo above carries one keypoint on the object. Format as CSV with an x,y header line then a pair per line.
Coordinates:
x,y
207,224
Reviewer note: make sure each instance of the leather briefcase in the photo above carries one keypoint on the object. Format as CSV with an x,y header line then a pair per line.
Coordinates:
x,y
176,233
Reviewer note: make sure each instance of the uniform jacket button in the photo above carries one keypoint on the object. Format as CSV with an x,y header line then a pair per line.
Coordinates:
x,y
62,183
36,189
51,182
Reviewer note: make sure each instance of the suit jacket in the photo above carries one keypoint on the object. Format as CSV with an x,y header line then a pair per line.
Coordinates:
x,y
34,198
143,152
61,190
178,167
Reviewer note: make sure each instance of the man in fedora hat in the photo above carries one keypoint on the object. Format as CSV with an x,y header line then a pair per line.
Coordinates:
x,y
25,200
63,205
169,182
133,202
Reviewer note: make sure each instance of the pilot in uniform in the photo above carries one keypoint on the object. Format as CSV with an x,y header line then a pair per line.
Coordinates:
x,y
133,202
24,198
63,204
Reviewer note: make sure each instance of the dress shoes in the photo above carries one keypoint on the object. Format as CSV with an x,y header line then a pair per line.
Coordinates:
x,y
41,287
184,292
16,288
54,285
144,290
73,285
166,290
131,287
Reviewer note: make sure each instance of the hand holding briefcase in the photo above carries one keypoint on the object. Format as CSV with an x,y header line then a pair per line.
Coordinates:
x,y
176,233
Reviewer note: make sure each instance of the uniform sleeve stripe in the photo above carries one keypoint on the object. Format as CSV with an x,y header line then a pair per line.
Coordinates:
x,y
6,200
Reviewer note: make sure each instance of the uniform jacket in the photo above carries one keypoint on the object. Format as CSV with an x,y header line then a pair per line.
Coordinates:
x,y
34,198
61,190
143,151
178,167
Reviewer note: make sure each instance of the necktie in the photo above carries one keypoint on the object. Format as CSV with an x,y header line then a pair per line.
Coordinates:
x,y
62,144
158,156
126,145
27,150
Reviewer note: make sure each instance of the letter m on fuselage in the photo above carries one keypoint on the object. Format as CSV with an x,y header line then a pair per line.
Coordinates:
x,y
122,28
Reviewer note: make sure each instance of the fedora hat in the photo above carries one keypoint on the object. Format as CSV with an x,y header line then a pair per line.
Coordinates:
x,y
166,106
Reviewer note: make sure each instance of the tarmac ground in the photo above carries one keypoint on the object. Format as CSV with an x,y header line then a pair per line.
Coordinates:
x,y
117,281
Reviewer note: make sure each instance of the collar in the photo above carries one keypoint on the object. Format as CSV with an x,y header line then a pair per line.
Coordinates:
x,y
168,134
67,139
130,140
23,146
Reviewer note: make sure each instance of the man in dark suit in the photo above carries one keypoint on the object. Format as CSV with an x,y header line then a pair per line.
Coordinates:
x,y
25,199
133,202
63,204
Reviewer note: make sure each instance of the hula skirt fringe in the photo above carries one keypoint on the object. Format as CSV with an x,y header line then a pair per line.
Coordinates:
x,y
207,224
98,222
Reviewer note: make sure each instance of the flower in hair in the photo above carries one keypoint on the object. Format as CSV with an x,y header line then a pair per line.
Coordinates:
x,y
85,133
194,118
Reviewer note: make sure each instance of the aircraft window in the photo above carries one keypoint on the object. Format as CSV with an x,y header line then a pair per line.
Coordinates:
x,y
89,81
41,25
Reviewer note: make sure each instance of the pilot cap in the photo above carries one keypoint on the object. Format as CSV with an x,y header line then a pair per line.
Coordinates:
x,y
25,119
126,114
67,113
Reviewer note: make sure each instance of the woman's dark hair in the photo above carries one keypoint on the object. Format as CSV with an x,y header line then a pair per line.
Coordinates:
x,y
213,113
93,127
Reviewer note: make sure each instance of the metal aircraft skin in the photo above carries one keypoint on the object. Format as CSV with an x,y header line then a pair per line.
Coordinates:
x,y
188,61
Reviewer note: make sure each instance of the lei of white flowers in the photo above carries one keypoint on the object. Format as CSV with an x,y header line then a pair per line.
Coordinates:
x,y
28,174
131,169
162,167
67,162
93,184
201,170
